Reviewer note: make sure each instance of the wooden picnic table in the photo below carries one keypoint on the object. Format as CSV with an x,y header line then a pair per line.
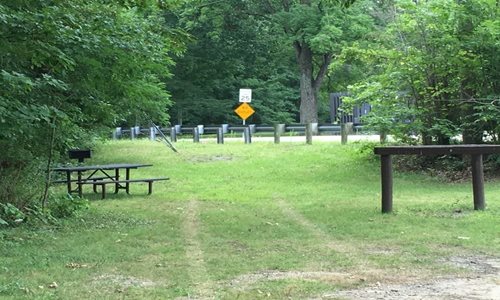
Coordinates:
x,y
475,151
109,173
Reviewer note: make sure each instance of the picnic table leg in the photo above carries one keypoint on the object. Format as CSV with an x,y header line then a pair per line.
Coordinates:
x,y
150,187
68,180
478,181
117,177
79,184
127,177
386,180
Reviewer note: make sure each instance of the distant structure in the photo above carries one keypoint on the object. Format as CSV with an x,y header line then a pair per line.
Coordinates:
x,y
344,117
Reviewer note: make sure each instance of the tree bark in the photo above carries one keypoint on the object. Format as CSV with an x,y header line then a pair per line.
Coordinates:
x,y
309,84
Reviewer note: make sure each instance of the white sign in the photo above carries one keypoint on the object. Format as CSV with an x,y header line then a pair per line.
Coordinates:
x,y
245,95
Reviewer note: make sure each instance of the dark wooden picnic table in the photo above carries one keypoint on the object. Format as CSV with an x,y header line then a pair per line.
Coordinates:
x,y
98,173
475,151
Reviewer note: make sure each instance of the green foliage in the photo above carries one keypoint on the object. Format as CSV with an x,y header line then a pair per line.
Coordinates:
x,y
232,49
65,206
10,215
434,60
71,70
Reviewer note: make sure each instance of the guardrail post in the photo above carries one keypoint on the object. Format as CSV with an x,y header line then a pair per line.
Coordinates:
x,y
315,128
247,135
132,133
309,134
173,134
196,135
345,130
152,133
279,129
220,135
201,129
252,128
117,133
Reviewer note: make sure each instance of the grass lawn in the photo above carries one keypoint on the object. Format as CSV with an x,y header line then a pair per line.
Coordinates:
x,y
249,221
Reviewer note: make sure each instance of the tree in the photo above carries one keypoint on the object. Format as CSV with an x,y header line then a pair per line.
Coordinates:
x,y
434,65
71,70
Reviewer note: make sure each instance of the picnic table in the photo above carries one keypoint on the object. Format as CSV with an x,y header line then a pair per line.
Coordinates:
x,y
475,151
102,175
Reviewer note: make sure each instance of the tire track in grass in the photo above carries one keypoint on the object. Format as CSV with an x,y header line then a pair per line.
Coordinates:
x,y
202,285
354,253
315,231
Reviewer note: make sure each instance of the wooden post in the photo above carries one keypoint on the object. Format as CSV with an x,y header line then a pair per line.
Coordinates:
x,y
196,135
309,134
220,135
386,176
478,181
343,133
173,134
278,130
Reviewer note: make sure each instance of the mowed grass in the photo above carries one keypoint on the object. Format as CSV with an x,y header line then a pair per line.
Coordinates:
x,y
248,221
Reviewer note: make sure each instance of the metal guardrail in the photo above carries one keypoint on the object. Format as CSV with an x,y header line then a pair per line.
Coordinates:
x,y
248,130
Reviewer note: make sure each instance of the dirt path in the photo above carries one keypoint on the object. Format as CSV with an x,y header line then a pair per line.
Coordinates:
x,y
197,269
484,284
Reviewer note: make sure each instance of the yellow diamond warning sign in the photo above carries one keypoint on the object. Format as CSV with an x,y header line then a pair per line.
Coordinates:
x,y
244,111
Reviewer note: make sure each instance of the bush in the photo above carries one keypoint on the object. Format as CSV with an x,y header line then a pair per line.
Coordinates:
x,y
65,206
10,215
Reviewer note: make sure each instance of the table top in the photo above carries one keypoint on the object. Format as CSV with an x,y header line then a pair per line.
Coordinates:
x,y
101,167
438,149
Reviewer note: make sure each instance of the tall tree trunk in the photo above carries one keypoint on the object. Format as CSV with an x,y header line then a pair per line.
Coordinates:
x,y
309,84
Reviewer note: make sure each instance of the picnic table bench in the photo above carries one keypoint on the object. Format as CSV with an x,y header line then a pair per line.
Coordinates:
x,y
475,151
103,183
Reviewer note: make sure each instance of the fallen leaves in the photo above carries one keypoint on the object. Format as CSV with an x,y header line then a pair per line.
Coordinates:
x,y
73,265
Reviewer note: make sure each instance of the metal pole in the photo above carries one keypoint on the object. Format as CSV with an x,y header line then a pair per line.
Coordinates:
x,y
478,181
386,180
